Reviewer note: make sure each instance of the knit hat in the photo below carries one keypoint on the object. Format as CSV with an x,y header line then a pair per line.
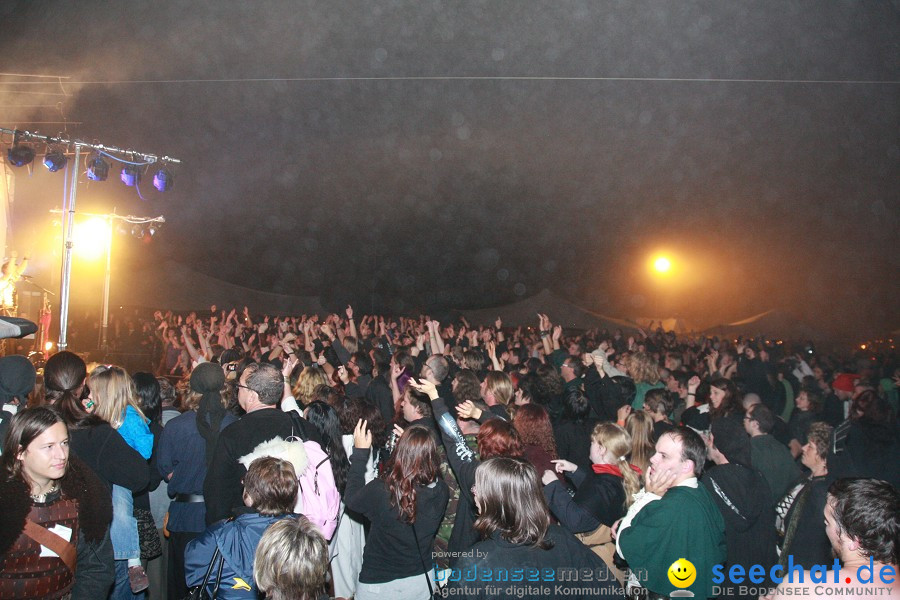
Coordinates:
x,y
844,382
207,379
17,378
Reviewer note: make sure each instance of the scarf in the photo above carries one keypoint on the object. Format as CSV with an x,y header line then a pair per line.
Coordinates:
x,y
613,470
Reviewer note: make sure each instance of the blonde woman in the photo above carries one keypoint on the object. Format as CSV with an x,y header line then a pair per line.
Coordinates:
x,y
115,398
645,373
604,492
309,379
639,426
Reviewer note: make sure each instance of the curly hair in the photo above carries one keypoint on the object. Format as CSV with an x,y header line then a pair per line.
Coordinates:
x,y
533,424
467,386
819,434
549,384
642,368
304,389
415,462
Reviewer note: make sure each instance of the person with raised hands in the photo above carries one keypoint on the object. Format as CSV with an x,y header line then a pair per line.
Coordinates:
x,y
405,508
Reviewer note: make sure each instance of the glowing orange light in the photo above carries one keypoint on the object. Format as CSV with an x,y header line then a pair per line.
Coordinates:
x,y
862,346
90,238
48,346
662,264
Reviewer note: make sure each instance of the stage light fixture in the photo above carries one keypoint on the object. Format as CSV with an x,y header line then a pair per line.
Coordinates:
x,y
20,155
55,160
152,229
137,231
131,175
98,169
162,180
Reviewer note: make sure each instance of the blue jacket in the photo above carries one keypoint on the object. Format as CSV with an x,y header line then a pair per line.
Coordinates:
x,y
237,541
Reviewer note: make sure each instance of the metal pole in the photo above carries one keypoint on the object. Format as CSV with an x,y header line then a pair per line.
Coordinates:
x,y
68,228
104,329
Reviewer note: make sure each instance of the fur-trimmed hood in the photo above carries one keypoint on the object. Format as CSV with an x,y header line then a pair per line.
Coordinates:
x,y
277,447
80,483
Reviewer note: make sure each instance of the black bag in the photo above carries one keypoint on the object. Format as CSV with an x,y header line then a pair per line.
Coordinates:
x,y
199,592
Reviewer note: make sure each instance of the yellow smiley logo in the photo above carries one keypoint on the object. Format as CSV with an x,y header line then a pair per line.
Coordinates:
x,y
682,573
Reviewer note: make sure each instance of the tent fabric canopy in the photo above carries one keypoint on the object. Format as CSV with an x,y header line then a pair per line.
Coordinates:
x,y
772,323
174,286
561,312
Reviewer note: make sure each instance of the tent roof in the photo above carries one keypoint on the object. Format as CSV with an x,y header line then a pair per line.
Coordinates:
x,y
772,323
561,312
174,286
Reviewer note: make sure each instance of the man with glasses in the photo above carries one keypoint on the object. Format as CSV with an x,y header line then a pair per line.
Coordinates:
x,y
259,390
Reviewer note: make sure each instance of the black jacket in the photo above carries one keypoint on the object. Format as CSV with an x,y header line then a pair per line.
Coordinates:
x,y
742,496
560,571
110,457
599,500
394,549
222,489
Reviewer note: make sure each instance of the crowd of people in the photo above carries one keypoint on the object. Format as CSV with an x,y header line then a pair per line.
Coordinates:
x,y
309,457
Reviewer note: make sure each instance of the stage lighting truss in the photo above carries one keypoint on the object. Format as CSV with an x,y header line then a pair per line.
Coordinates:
x,y
22,153
143,229
97,169
54,159
162,180
131,175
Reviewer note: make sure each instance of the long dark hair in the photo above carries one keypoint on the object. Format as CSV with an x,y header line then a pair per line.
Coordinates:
x,y
64,376
415,462
325,419
510,501
148,391
24,427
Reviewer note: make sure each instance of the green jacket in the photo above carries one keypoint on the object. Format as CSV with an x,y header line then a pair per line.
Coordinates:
x,y
685,523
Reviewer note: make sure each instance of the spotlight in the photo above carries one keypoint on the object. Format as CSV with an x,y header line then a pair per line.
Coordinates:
x,y
98,169
20,155
163,180
152,229
131,175
55,160
137,231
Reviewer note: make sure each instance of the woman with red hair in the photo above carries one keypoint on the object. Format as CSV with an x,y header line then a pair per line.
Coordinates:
x,y
405,509
533,424
497,437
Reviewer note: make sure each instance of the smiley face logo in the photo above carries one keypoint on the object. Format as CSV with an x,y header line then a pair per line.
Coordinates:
x,y
682,573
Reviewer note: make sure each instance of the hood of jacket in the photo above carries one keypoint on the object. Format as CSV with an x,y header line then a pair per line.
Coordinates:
x,y
293,452
740,493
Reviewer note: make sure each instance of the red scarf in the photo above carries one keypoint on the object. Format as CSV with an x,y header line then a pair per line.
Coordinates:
x,y
613,470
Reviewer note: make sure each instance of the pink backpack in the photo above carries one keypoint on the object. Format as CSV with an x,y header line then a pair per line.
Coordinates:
x,y
318,497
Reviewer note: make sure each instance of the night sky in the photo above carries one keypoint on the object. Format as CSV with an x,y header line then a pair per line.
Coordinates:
x,y
415,156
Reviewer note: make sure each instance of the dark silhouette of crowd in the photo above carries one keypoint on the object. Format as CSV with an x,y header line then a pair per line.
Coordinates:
x,y
344,456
